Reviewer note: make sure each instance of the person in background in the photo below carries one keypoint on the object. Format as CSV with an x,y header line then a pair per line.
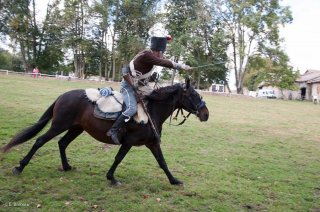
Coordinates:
x,y
35,71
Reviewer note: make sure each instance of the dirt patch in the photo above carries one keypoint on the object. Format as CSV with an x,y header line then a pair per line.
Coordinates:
x,y
106,147
253,207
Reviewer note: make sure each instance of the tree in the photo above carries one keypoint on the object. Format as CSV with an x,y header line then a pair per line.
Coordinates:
x,y
75,19
179,18
101,11
39,44
209,47
50,56
115,12
250,25
10,61
198,40
16,19
270,68
133,22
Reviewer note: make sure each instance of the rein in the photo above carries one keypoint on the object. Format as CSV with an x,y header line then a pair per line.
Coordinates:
x,y
176,117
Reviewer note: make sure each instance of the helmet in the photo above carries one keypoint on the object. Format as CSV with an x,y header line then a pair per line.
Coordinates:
x,y
160,43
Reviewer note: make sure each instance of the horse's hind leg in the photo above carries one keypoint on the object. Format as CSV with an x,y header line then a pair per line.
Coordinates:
x,y
64,142
39,143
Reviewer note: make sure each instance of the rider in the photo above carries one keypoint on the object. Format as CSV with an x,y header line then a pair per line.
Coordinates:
x,y
136,74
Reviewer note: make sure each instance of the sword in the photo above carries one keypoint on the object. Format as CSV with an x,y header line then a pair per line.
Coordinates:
x,y
213,64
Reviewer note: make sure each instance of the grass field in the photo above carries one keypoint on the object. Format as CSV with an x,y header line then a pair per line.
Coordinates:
x,y
252,155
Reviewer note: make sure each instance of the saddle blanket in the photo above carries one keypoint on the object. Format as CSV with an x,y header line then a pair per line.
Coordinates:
x,y
109,105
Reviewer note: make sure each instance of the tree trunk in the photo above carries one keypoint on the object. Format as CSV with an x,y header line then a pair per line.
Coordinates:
x,y
239,90
34,38
101,56
229,90
106,59
198,83
23,54
173,76
76,65
113,42
106,71
174,70
79,60
100,70
113,65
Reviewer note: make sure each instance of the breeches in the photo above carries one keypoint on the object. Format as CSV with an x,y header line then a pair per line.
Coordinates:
x,y
129,99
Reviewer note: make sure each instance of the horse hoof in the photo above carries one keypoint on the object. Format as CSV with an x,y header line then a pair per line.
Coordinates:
x,y
116,183
177,182
16,171
65,169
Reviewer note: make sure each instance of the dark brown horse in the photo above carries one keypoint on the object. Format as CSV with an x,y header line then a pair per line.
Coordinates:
x,y
72,112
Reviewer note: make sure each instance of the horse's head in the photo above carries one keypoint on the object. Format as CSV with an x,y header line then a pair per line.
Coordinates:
x,y
192,102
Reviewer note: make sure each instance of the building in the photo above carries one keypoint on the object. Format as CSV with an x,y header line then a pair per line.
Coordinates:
x,y
218,88
309,84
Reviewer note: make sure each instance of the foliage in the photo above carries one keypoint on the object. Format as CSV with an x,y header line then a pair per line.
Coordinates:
x,y
51,55
98,56
250,25
208,47
179,17
134,21
16,17
39,46
198,40
10,61
166,74
272,69
100,36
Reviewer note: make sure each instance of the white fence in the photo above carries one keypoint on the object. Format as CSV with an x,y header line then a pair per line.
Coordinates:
x,y
7,72
39,75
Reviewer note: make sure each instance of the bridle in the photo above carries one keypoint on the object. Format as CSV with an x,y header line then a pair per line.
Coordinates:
x,y
176,117
197,106
195,111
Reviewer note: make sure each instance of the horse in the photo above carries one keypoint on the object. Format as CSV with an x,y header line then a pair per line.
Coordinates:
x,y
73,112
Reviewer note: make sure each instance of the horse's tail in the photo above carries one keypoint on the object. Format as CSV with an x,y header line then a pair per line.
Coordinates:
x,y
31,131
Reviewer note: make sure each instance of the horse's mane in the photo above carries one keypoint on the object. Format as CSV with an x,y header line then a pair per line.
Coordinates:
x,y
164,92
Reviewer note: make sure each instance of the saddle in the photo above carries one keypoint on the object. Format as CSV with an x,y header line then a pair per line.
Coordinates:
x,y
109,105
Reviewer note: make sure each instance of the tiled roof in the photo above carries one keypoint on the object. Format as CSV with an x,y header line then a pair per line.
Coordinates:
x,y
309,76
317,79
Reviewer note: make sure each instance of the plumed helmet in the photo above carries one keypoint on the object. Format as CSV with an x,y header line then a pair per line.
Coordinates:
x,y
160,43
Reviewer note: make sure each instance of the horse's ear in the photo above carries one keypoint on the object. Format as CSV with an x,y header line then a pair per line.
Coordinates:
x,y
187,82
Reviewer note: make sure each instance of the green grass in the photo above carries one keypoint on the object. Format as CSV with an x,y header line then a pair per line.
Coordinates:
x,y
252,154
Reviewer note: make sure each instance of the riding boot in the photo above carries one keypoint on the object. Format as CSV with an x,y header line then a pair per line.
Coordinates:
x,y
113,131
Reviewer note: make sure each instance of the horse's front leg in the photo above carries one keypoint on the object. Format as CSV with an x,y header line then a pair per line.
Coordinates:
x,y
124,149
156,151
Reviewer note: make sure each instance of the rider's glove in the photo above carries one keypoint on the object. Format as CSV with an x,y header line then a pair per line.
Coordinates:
x,y
181,66
185,67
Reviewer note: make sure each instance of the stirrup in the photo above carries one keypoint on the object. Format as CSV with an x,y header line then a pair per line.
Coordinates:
x,y
114,137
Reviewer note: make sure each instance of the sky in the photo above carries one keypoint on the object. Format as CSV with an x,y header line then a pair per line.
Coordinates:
x,y
302,37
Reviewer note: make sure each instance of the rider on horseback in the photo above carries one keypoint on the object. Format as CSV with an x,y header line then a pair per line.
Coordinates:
x,y
137,74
